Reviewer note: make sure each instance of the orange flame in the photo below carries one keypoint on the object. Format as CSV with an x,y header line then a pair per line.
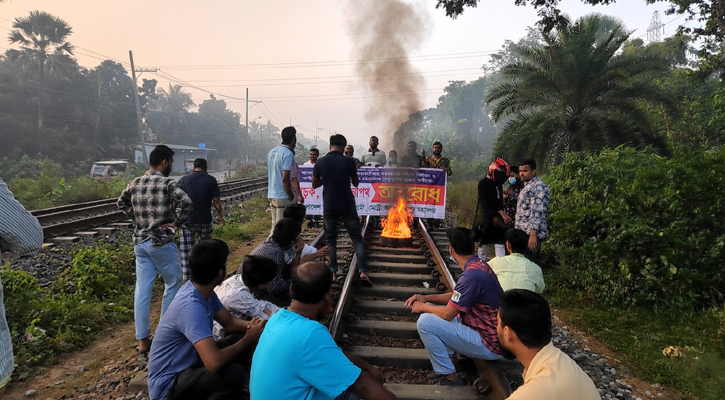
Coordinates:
x,y
397,225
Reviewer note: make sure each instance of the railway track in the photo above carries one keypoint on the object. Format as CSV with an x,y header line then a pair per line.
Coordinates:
x,y
372,322
70,218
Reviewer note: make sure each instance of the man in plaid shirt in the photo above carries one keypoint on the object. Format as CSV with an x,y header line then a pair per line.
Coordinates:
x,y
149,201
203,190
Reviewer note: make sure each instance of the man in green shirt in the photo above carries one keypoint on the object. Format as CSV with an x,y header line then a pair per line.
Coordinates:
x,y
515,271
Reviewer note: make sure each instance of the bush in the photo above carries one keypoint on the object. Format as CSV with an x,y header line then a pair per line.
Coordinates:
x,y
42,185
249,171
631,227
45,321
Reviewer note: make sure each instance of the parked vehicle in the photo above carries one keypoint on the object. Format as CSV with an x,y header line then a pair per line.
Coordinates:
x,y
109,169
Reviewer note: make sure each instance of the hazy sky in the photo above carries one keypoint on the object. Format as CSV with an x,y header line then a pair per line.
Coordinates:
x,y
294,55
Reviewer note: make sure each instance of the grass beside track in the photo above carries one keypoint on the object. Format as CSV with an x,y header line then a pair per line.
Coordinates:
x,y
94,292
638,334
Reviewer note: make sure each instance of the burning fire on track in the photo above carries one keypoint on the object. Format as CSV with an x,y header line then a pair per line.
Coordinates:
x,y
396,227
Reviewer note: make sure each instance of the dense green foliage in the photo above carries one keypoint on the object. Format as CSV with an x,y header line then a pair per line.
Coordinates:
x,y
632,227
96,290
577,92
41,184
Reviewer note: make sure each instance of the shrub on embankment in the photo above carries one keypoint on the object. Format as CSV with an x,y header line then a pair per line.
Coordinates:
x,y
95,290
630,227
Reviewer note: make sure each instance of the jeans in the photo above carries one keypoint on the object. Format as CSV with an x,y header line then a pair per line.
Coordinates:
x,y
352,224
483,251
444,338
151,260
277,206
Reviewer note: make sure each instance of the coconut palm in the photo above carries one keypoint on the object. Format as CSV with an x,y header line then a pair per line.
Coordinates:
x,y
171,118
43,48
577,92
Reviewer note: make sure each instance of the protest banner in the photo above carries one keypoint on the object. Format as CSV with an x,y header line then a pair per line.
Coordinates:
x,y
424,189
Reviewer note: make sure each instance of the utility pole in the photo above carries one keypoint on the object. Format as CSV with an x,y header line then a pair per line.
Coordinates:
x,y
138,106
655,29
246,124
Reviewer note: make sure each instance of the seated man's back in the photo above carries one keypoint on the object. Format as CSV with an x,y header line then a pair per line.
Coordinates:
x,y
515,271
297,359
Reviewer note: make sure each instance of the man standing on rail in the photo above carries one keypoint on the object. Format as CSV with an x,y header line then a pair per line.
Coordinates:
x,y
21,234
374,157
524,329
296,357
203,190
336,171
280,161
532,208
314,155
463,321
149,201
437,160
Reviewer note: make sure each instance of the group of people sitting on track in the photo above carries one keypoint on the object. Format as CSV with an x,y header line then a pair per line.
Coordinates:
x,y
258,333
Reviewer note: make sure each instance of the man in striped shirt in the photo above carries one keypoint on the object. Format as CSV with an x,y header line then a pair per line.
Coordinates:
x,y
149,201
463,321
20,233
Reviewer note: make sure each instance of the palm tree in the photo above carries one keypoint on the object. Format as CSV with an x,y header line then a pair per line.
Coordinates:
x,y
170,115
43,47
577,92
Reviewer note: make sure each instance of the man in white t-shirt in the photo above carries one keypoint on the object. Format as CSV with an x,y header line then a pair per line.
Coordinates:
x,y
314,155
236,292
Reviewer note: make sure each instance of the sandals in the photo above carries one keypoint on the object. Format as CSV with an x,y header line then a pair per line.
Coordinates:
x,y
365,280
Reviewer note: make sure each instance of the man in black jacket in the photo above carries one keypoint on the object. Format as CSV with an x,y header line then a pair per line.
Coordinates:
x,y
489,223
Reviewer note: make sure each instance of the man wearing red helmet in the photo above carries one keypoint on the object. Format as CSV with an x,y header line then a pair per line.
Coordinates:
x,y
489,223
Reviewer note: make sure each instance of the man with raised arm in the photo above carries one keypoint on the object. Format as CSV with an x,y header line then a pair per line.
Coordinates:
x,y
20,234
524,329
296,357
150,201
463,321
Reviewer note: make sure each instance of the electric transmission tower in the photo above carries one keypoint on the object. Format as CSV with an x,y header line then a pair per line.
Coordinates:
x,y
656,28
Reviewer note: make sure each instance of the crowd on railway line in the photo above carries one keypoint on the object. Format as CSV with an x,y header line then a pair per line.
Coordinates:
x,y
262,324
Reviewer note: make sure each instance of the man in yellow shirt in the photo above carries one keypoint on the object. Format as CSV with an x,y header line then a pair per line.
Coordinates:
x,y
515,271
524,329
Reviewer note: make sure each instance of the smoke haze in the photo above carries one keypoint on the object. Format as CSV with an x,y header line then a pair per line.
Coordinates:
x,y
387,31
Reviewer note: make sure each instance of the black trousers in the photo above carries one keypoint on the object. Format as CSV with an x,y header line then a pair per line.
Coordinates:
x,y
229,383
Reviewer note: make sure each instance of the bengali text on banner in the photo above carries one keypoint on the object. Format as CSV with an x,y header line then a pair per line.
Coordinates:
x,y
424,189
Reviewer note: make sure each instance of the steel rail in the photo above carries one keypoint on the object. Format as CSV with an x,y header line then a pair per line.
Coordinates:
x,y
343,303
440,264
113,214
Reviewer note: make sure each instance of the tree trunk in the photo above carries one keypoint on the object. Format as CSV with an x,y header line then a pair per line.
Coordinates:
x,y
41,82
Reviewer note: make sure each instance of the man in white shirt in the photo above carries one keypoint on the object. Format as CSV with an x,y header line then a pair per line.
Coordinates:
x,y
314,155
236,292
524,329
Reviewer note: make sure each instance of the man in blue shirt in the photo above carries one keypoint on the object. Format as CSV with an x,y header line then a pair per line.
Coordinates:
x,y
296,357
185,361
279,163
336,171
203,190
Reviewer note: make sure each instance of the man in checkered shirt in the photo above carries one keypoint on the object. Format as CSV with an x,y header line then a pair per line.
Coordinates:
x,y
149,201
